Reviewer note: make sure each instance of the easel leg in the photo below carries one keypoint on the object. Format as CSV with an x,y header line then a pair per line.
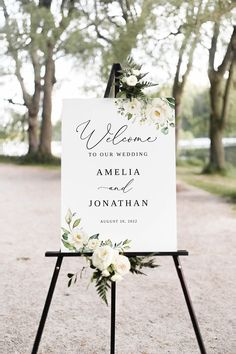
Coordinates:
x,y
189,304
47,304
113,316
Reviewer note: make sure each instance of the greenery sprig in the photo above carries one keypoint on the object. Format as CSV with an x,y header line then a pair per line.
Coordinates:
x,y
107,260
131,81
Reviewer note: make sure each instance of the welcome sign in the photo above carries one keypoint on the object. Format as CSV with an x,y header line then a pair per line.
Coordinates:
x,y
118,171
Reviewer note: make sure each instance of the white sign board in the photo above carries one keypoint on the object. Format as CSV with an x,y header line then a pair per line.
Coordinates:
x,y
118,170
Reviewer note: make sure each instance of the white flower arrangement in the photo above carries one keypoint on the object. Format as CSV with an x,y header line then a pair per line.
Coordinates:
x,y
134,105
156,111
107,260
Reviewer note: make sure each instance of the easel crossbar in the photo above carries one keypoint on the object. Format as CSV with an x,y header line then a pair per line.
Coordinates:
x,y
128,254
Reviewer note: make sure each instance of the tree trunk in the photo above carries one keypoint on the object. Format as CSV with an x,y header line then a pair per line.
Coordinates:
x,y
46,127
217,154
177,93
178,98
219,98
33,133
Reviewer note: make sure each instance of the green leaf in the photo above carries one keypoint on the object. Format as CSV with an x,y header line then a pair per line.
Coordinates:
x,y
68,216
76,222
65,230
65,237
94,237
171,102
129,116
107,243
120,94
102,285
142,76
68,246
165,130
126,241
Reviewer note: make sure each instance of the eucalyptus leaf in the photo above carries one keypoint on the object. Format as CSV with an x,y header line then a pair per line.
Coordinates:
x,y
65,230
68,217
171,100
165,130
68,246
129,116
94,237
76,222
65,237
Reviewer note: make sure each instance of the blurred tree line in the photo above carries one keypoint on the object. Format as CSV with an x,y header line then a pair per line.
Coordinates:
x,y
38,33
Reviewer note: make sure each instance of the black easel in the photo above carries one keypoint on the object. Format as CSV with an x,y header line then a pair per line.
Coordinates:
x,y
111,90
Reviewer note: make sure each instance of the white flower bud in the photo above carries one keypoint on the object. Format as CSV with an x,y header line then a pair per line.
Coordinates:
x,y
68,216
105,273
136,72
93,243
116,277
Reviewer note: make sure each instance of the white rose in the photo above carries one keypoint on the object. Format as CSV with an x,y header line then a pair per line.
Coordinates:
x,y
79,237
121,264
136,72
132,106
102,257
105,273
93,243
116,277
115,255
131,80
159,111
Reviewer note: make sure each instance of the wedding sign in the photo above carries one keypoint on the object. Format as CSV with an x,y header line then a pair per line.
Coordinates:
x,y
118,172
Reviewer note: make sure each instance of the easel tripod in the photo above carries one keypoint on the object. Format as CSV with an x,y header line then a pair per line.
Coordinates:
x,y
111,91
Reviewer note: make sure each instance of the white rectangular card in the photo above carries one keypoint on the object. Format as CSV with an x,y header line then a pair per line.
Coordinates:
x,y
118,171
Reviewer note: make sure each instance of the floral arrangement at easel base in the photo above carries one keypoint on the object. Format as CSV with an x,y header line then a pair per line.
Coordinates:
x,y
135,106
107,260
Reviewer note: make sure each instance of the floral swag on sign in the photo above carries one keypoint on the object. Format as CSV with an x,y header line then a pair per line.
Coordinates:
x,y
134,105
107,260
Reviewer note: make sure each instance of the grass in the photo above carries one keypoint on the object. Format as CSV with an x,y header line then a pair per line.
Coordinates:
x,y
222,185
32,160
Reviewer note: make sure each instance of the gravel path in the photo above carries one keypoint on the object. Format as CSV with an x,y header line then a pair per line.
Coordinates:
x,y
151,314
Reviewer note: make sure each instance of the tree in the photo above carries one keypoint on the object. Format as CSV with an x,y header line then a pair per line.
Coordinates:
x,y
191,36
37,37
117,25
197,14
220,96
14,43
48,30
